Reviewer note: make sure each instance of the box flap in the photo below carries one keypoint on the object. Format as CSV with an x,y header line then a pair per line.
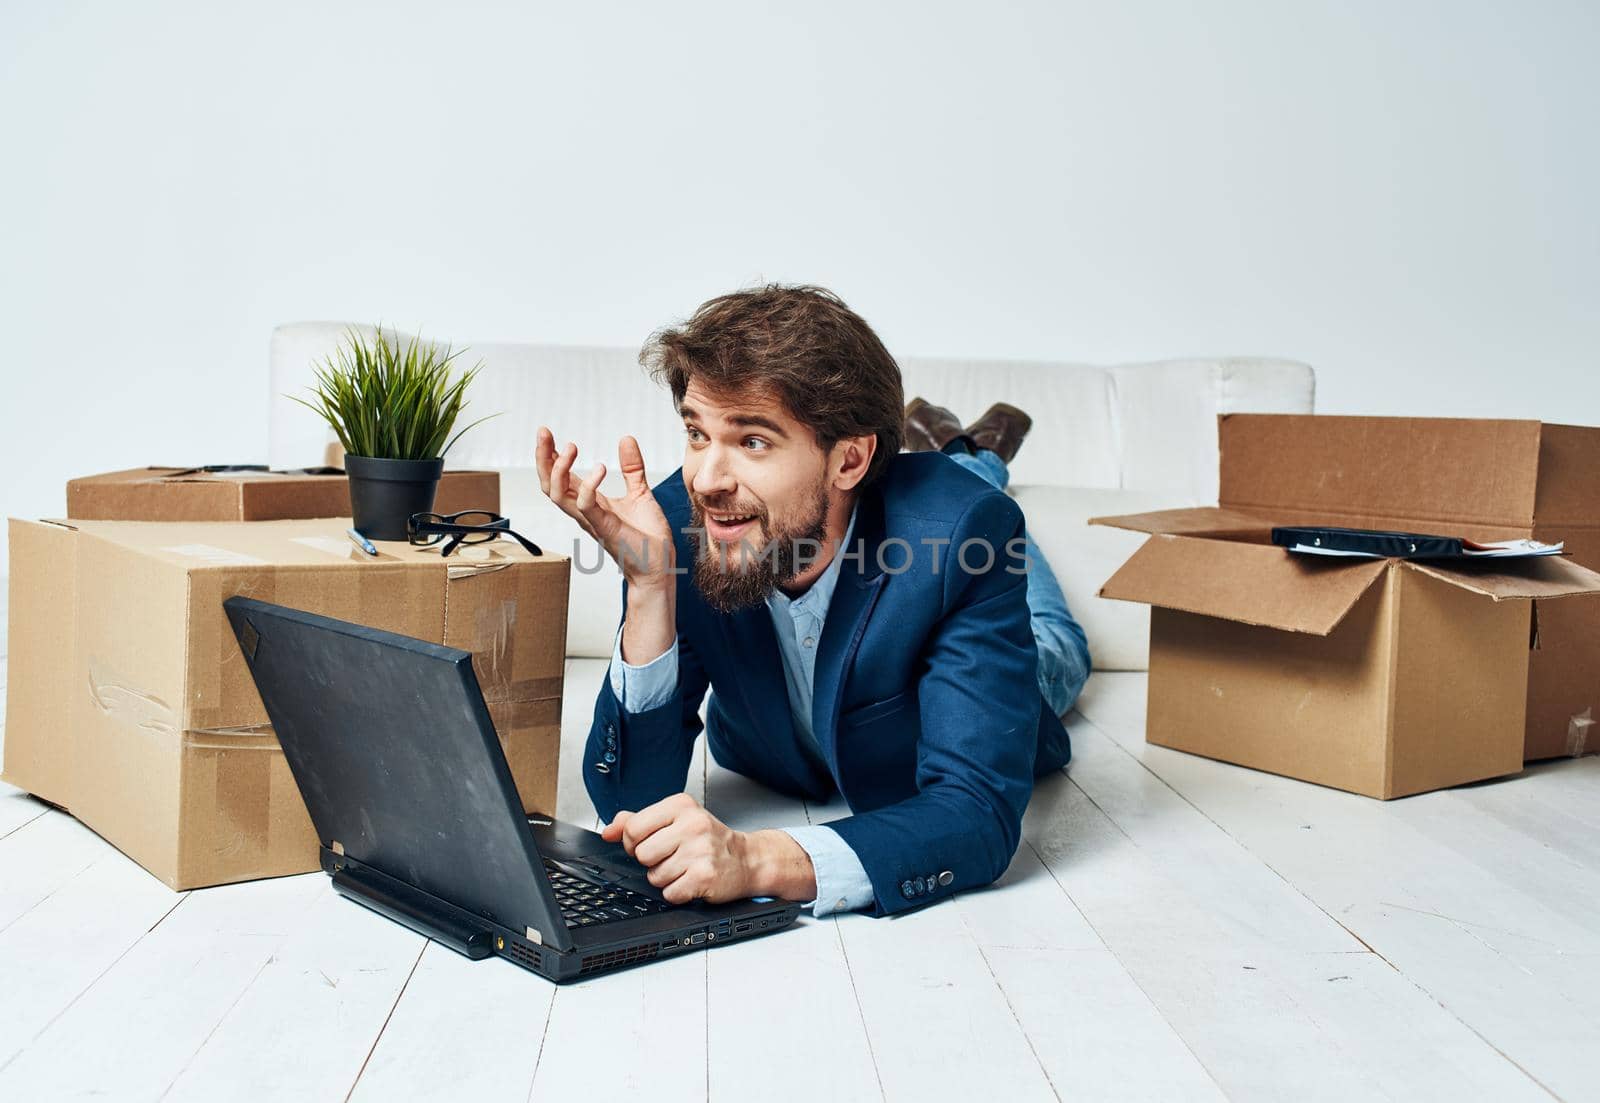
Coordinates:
x,y
1197,521
1569,478
1250,583
39,752
1428,470
1542,577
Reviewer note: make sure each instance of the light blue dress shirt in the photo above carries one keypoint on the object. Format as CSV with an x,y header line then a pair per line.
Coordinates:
x,y
842,883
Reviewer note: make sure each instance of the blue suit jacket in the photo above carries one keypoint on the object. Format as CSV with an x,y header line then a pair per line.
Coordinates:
x,y
927,708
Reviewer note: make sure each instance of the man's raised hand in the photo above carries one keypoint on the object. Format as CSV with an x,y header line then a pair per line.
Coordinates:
x,y
631,527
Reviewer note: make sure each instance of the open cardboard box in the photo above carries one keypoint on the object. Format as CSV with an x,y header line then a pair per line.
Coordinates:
x,y
1382,677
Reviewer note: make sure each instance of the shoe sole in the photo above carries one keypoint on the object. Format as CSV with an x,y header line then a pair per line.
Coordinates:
x,y
914,440
1010,411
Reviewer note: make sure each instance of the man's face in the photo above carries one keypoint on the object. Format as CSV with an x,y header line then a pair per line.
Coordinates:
x,y
758,489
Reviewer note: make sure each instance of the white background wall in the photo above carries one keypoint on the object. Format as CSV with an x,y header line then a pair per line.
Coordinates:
x,y
1403,194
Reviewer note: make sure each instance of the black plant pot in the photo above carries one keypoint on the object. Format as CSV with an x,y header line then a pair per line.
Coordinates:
x,y
385,493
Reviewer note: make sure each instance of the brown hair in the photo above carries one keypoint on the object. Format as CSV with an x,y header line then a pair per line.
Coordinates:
x,y
801,345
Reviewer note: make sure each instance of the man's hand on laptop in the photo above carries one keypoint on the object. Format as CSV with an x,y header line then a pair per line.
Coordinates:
x,y
692,855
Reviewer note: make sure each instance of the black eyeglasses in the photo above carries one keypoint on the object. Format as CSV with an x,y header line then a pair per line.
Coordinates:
x,y
472,526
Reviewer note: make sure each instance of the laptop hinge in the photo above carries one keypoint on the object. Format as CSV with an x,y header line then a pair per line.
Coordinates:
x,y
416,910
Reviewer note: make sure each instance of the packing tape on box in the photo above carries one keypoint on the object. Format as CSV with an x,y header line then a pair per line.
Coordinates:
x,y
529,691
525,714
252,737
494,635
465,570
127,705
211,556
1578,732
242,783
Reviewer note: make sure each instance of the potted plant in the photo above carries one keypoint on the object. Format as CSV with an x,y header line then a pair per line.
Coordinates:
x,y
393,409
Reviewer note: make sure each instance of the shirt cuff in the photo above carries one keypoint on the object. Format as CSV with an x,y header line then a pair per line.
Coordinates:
x,y
842,882
647,686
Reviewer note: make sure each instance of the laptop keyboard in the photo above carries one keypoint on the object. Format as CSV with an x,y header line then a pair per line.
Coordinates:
x,y
584,903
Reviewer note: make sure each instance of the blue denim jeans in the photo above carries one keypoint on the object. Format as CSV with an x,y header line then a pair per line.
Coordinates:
x,y
1063,651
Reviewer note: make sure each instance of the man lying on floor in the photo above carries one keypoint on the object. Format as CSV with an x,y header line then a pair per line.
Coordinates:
x,y
868,621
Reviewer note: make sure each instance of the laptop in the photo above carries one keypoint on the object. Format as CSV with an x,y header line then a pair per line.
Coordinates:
x,y
390,742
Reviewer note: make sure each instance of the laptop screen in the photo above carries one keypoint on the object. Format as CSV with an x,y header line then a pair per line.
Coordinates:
x,y
395,754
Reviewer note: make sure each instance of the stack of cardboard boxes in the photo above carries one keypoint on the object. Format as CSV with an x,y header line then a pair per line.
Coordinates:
x,y
1385,677
129,705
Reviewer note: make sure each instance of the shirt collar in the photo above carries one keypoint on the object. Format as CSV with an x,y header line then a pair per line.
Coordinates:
x,y
817,599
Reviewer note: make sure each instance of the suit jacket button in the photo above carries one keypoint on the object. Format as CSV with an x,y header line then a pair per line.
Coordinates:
x,y
907,889
601,768
920,885
610,757
946,877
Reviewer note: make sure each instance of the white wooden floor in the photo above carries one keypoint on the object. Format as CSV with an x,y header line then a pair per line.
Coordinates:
x,y
1171,928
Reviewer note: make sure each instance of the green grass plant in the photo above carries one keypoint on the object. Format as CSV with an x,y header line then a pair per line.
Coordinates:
x,y
391,402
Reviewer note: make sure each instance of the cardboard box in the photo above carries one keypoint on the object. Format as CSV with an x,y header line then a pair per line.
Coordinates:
x,y
186,494
129,705
1383,677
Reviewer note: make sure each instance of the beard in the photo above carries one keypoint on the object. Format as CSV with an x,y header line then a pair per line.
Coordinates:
x,y
735,577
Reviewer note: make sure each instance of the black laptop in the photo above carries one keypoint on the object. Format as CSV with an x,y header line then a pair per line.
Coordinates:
x,y
391,744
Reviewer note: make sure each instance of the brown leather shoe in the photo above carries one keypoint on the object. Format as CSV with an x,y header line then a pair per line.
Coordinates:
x,y
1000,430
928,428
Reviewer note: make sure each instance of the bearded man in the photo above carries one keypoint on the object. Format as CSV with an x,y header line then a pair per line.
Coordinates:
x,y
868,621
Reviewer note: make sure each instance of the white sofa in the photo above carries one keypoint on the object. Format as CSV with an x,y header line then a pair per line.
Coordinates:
x,y
1105,440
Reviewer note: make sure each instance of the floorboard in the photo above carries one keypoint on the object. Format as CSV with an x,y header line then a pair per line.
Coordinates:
x,y
131,1034
40,857
335,978
59,948
617,1035
17,808
777,1002
462,1030
1473,987
1267,1017
1171,928
1094,1031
